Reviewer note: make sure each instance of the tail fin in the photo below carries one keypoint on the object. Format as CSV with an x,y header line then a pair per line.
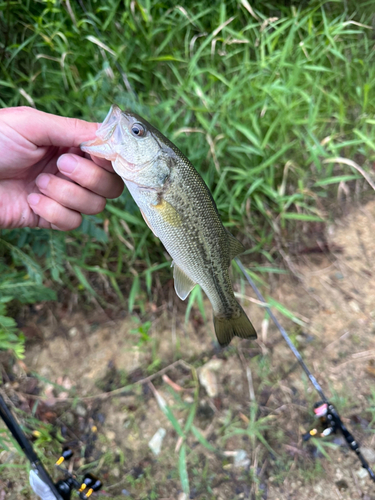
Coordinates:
x,y
238,325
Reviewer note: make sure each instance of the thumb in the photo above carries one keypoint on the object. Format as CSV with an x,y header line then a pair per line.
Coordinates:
x,y
45,129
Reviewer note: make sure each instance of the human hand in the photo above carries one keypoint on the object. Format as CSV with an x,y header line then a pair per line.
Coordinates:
x,y
45,179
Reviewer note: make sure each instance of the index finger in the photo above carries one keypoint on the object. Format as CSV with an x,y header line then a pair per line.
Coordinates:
x,y
107,165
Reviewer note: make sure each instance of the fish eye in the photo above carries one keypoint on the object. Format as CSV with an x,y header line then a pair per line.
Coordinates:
x,y
138,130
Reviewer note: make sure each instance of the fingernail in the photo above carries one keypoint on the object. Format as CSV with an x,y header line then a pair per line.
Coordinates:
x,y
33,199
43,181
67,163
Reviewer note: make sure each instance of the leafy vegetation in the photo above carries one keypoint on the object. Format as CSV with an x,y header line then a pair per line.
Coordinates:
x,y
262,101
274,104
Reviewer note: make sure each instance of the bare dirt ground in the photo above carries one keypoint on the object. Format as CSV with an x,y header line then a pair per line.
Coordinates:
x,y
332,291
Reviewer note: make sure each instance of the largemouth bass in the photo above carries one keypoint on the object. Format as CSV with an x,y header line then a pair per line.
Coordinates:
x,y
178,207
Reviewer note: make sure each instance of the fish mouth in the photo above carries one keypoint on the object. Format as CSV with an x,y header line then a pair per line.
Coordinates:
x,y
111,138
108,136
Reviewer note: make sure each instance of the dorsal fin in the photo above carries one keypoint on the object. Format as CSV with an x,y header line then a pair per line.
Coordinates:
x,y
235,247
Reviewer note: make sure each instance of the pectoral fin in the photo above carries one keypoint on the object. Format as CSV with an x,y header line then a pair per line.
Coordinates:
x,y
235,247
182,283
168,212
146,221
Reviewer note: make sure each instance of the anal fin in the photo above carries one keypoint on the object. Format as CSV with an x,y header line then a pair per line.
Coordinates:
x,y
182,283
235,247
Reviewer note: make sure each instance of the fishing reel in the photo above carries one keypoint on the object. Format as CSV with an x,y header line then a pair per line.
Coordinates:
x,y
331,423
85,488
64,487
327,424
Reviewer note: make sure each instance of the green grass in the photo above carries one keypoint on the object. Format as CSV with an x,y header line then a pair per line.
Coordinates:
x,y
261,106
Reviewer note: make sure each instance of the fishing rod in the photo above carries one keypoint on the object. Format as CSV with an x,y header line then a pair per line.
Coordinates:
x,y
43,485
40,480
329,417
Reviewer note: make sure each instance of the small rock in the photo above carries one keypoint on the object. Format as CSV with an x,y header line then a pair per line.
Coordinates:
x,y
355,306
188,399
319,489
80,410
115,472
110,435
73,331
125,492
214,364
369,454
209,381
156,441
241,459
182,496
207,376
362,473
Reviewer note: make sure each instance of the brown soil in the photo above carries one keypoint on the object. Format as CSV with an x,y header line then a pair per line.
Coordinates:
x,y
332,291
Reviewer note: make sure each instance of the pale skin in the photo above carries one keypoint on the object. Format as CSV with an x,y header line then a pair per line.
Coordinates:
x,y
46,181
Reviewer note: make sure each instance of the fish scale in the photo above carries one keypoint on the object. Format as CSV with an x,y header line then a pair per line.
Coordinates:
x,y
179,208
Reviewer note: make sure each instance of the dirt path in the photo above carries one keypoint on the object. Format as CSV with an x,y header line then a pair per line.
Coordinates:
x,y
334,296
